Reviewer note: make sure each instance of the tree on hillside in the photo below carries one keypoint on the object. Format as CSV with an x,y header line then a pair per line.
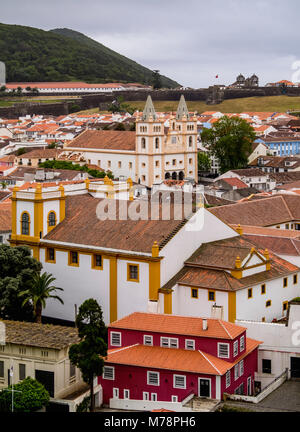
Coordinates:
x,y
17,268
230,141
156,79
29,396
204,163
40,290
88,354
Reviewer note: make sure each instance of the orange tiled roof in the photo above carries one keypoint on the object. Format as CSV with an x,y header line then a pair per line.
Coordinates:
x,y
180,325
175,359
102,139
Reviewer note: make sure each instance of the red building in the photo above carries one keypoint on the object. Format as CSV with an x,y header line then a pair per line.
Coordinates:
x,y
154,357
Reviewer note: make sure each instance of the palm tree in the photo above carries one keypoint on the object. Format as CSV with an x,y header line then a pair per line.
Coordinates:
x,y
40,290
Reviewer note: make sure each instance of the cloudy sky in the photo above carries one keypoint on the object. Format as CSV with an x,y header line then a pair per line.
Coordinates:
x,y
190,41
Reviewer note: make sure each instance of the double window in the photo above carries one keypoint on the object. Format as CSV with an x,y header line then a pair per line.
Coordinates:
x,y
168,342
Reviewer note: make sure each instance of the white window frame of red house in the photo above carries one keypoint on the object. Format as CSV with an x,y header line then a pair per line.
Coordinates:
x,y
228,350
191,342
236,371
145,396
124,392
150,338
241,368
235,348
115,393
163,338
158,378
174,381
153,397
111,338
242,343
174,398
228,378
113,373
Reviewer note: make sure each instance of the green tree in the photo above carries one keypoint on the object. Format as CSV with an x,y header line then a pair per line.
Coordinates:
x,y
17,268
30,396
120,127
88,354
230,141
156,79
21,151
204,163
39,291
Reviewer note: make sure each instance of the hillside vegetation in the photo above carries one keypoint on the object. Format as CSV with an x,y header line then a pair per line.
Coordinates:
x,y
266,103
31,54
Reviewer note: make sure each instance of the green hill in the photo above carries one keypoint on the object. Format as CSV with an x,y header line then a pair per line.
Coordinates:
x,y
31,54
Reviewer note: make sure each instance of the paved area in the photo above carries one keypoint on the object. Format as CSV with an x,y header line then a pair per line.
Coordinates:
x,y
284,399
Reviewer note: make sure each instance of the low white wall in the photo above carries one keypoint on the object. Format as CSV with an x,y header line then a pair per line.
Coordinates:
x,y
141,405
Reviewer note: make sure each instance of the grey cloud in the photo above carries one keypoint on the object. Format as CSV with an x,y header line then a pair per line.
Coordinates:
x,y
189,41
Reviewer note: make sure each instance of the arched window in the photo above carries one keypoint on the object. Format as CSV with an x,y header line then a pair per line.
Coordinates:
x,y
190,141
143,142
51,219
156,143
25,223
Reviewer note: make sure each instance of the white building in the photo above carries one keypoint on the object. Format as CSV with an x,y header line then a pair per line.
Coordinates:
x,y
151,154
280,350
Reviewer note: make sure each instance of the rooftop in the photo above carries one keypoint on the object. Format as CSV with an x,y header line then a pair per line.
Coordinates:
x,y
104,139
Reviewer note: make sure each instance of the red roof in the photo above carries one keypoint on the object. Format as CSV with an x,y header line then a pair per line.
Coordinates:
x,y
235,182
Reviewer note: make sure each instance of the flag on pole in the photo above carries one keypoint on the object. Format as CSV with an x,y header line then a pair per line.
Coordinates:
x,y
217,76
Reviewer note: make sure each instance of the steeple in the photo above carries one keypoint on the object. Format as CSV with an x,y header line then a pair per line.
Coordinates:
x,y
149,110
182,109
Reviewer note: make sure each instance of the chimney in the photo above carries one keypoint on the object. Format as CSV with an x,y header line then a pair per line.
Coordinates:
x,y
204,324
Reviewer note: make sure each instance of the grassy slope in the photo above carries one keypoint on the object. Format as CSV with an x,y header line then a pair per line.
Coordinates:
x,y
32,54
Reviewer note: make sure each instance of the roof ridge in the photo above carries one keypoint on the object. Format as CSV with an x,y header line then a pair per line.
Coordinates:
x,y
210,362
123,348
292,217
221,322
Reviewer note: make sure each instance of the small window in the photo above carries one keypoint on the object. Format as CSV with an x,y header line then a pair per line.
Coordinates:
x,y
97,261
154,397
223,350
44,353
73,258
285,282
119,164
115,393
22,371
145,396
235,348
108,373
268,303
157,163
266,366
263,319
263,289
109,164
1,369
285,306
227,379
194,293
72,370
189,344
241,368
51,219
179,381
173,343
153,378
242,343
143,143
174,398
25,222
22,351
164,342
148,340
126,394
295,279
133,272
115,339
250,293
174,162
50,255
236,372
211,296
130,165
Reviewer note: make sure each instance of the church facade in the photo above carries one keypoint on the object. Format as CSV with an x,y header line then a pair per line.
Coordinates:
x,y
157,151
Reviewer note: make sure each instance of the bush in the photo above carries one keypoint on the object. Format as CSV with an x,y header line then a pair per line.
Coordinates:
x,y
31,396
84,406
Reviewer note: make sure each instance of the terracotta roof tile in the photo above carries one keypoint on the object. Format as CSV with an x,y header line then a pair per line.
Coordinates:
x,y
102,139
180,325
